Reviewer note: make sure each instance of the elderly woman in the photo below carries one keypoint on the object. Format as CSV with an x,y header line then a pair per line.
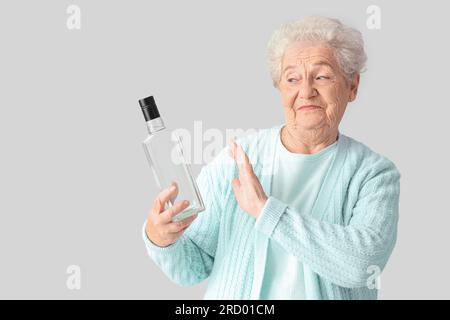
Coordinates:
x,y
297,211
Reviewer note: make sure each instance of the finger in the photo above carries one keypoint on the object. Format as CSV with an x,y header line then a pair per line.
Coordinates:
x,y
175,194
178,226
245,159
167,215
235,153
164,196
177,235
239,159
242,160
236,184
240,155
245,167
232,146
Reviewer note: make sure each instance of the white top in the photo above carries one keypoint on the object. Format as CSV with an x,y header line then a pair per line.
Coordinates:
x,y
296,182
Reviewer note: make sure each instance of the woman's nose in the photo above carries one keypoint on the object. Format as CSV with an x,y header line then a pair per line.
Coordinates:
x,y
306,90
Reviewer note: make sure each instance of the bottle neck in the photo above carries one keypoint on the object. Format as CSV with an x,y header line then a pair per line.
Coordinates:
x,y
155,125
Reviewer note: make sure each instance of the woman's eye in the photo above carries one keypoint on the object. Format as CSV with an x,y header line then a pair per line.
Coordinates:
x,y
323,78
291,80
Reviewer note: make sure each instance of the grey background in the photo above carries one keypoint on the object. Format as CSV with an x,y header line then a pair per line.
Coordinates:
x,y
75,184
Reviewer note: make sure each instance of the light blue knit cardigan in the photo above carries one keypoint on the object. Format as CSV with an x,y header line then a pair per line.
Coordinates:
x,y
352,226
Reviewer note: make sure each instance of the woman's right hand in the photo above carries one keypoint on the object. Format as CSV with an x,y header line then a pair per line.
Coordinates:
x,y
160,229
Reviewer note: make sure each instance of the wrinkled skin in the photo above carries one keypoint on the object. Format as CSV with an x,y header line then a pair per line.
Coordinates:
x,y
311,75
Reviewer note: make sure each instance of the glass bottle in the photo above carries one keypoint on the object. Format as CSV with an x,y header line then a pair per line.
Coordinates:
x,y
164,151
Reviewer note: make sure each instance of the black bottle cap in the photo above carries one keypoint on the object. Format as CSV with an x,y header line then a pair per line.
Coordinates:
x,y
149,108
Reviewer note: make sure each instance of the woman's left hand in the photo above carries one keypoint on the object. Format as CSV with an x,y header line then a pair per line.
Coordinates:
x,y
249,193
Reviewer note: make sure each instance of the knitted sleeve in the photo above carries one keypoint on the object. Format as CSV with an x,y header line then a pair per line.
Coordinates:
x,y
342,254
190,260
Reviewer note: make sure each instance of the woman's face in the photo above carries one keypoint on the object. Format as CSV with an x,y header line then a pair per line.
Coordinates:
x,y
310,75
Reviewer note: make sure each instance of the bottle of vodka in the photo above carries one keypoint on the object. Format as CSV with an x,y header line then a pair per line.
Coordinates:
x,y
164,152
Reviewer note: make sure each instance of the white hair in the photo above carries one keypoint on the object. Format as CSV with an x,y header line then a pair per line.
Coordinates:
x,y
346,42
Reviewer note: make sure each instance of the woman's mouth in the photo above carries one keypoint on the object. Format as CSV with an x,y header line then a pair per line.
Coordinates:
x,y
308,107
